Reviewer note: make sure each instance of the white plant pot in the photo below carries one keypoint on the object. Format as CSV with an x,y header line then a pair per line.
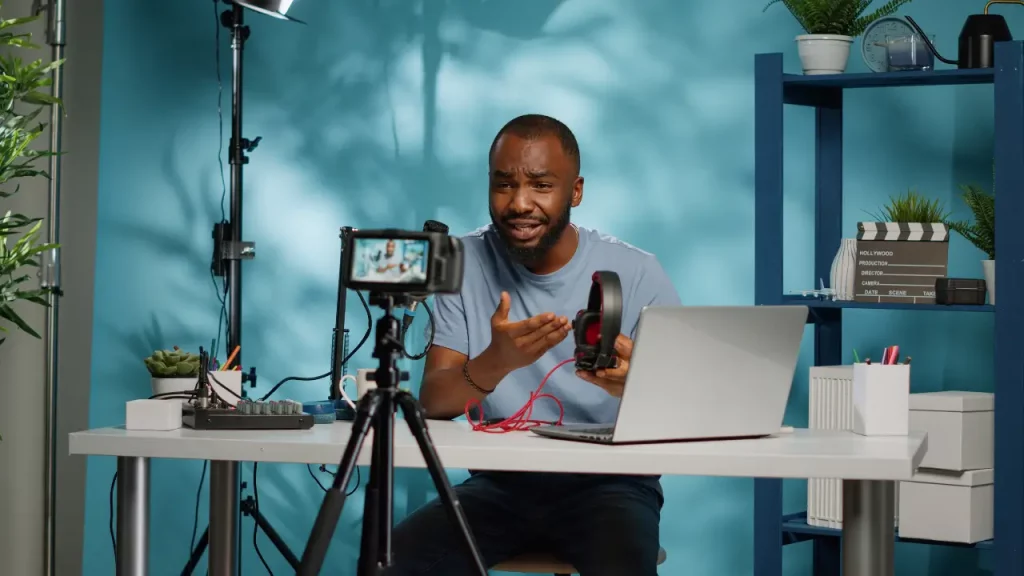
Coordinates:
x,y
227,379
164,386
988,267
824,53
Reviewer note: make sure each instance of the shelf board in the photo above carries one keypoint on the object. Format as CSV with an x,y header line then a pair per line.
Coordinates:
x,y
891,79
796,529
846,304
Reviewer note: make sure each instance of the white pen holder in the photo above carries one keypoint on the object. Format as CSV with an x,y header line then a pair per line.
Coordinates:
x,y
881,399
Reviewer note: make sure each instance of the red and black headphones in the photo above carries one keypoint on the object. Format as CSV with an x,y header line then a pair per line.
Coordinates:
x,y
596,328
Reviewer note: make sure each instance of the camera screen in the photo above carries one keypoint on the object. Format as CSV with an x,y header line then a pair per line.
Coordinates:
x,y
390,260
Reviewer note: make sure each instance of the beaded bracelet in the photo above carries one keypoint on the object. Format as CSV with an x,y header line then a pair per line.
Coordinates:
x,y
469,379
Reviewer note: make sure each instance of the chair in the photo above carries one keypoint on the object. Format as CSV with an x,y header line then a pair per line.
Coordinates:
x,y
546,564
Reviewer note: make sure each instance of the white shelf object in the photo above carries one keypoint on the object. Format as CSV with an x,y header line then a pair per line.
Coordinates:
x,y
830,408
881,399
960,427
948,506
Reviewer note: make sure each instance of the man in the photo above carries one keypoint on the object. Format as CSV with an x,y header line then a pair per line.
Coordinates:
x,y
526,275
390,265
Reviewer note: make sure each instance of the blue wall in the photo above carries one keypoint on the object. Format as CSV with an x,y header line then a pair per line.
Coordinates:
x,y
381,113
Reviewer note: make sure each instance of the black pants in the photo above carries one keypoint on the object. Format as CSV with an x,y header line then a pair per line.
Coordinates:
x,y
602,525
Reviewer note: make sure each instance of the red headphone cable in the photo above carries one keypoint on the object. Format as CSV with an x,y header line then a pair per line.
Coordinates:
x,y
521,420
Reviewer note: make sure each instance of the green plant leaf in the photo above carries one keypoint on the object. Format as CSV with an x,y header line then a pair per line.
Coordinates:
x,y
981,232
842,17
8,313
912,207
24,96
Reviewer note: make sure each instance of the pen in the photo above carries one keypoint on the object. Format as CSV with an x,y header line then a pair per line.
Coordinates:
x,y
856,357
230,358
894,354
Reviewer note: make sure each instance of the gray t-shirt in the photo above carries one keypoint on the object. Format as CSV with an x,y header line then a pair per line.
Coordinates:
x,y
463,321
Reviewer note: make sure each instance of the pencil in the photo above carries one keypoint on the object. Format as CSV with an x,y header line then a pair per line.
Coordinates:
x,y
230,358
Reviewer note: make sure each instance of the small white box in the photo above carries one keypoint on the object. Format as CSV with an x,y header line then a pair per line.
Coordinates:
x,y
948,506
152,415
960,428
881,398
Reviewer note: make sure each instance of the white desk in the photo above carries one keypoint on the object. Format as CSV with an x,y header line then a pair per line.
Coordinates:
x,y
869,465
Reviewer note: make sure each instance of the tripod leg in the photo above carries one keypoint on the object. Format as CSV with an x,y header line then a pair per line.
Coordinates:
x,y
197,554
249,509
334,501
375,547
418,427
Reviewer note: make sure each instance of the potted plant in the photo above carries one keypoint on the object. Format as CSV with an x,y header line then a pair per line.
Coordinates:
x,y
902,253
831,26
21,103
981,232
173,371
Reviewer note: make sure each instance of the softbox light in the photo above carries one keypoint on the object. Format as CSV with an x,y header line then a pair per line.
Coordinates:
x,y
275,8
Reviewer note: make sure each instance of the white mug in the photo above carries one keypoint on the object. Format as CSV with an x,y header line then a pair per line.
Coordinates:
x,y
363,383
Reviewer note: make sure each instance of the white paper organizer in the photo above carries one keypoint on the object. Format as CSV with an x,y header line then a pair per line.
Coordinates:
x,y
830,407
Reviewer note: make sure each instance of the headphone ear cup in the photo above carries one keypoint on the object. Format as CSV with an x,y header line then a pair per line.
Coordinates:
x,y
587,327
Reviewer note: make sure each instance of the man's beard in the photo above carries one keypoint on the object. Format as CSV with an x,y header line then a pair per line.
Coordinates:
x,y
527,255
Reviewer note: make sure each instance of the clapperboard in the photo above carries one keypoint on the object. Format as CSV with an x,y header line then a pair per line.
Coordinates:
x,y
899,262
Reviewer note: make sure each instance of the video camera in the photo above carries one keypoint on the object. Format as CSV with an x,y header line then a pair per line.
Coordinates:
x,y
403,261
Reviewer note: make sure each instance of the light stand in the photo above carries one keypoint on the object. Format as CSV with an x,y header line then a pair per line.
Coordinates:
x,y
248,508
376,409
338,347
49,276
228,252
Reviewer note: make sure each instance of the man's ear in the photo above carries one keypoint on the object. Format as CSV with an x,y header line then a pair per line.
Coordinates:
x,y
577,191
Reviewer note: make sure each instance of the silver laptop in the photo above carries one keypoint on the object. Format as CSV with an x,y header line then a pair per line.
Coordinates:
x,y
702,372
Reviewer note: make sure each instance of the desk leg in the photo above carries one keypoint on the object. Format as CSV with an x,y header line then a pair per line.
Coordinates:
x,y
132,516
223,551
868,527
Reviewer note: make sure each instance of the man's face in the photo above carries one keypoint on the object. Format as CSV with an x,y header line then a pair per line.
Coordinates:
x,y
534,186
389,248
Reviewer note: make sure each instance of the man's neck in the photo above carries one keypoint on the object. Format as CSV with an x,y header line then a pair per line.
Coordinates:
x,y
559,255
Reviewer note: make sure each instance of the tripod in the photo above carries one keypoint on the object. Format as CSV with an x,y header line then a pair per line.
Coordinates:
x,y
376,409
248,508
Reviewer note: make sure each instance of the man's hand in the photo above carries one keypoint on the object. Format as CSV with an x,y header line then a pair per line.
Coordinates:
x,y
518,344
613,380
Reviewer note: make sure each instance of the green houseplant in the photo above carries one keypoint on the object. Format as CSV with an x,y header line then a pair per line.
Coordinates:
x,y
981,232
912,207
172,371
22,100
831,26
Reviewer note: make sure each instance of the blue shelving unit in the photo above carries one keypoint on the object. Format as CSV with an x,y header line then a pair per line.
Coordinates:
x,y
773,91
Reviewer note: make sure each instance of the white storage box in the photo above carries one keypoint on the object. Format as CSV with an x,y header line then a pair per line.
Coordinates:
x,y
947,506
830,407
960,428
160,415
